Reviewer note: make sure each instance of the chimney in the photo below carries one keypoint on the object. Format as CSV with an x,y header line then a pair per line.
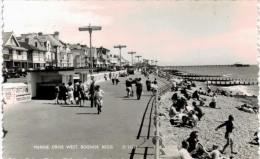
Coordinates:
x,y
56,35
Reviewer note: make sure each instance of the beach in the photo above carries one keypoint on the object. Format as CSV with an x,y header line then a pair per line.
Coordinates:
x,y
246,124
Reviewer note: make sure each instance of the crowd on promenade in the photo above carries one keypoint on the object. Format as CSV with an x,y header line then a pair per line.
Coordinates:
x,y
79,92
186,110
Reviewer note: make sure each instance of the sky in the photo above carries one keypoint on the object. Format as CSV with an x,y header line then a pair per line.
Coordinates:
x,y
170,31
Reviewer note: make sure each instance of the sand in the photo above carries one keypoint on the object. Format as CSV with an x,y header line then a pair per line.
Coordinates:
x,y
246,125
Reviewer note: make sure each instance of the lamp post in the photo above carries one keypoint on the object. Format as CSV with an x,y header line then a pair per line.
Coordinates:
x,y
90,29
120,47
131,53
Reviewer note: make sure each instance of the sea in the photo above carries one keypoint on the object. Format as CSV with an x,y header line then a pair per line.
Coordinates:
x,y
245,73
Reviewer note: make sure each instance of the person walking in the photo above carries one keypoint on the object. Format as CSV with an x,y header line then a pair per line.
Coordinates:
x,y
99,98
128,84
228,134
139,89
148,84
63,93
70,89
105,76
117,79
57,92
92,92
110,75
81,90
113,78
76,93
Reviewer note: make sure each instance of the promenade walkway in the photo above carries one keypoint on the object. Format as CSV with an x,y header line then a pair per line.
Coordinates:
x,y
40,129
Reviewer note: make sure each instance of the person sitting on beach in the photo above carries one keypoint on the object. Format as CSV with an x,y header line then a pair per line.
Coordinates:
x,y
184,154
180,104
255,140
172,111
195,148
213,104
195,95
228,134
190,119
185,93
174,96
215,153
248,108
198,110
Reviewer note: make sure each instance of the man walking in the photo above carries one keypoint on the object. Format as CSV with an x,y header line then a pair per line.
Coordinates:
x,y
148,84
139,89
92,92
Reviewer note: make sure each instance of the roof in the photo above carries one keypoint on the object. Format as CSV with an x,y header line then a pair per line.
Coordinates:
x,y
29,47
53,41
6,36
78,46
16,48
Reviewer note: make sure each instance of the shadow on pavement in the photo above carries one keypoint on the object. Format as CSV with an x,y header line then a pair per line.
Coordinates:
x,y
87,113
75,106
145,154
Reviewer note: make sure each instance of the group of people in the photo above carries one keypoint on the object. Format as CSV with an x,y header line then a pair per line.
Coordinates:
x,y
129,88
78,93
193,149
150,86
181,113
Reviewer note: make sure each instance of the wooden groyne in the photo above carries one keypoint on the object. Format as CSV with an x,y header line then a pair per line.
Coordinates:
x,y
232,83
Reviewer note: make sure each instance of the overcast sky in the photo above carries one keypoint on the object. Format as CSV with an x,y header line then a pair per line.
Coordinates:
x,y
173,32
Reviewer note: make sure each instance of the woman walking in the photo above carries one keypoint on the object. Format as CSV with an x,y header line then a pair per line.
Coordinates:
x,y
70,92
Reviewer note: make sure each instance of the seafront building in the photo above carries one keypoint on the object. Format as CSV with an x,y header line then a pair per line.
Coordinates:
x,y
38,51
14,55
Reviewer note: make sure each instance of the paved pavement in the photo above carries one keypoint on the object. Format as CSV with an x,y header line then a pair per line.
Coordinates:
x,y
40,129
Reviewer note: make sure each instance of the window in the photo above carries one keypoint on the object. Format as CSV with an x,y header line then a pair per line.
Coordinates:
x,y
36,44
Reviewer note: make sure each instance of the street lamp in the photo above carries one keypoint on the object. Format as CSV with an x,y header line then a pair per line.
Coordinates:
x,y
131,53
90,29
120,47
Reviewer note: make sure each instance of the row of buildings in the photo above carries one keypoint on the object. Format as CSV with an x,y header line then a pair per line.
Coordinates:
x,y
36,51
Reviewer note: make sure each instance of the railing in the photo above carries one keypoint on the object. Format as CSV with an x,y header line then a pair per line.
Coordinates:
x,y
157,138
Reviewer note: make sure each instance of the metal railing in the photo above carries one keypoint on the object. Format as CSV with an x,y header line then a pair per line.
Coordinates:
x,y
166,87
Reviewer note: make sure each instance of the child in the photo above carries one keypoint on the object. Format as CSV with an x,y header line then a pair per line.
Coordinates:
x,y
228,135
